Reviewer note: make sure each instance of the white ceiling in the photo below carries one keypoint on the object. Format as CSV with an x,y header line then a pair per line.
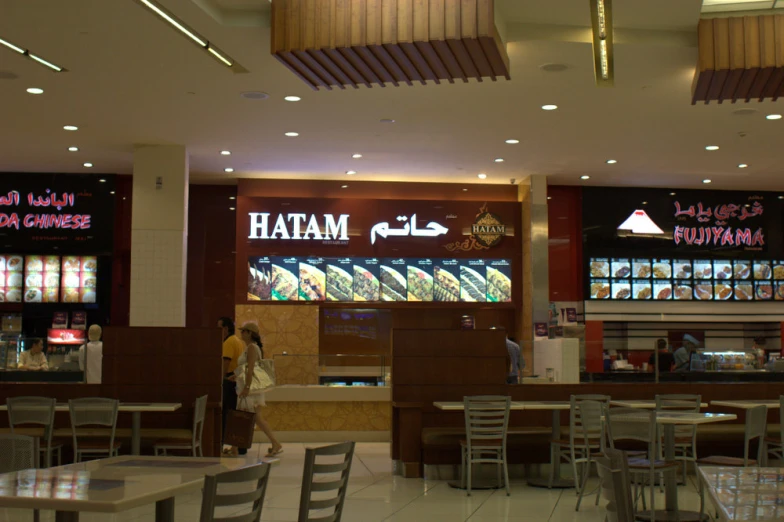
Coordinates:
x,y
132,80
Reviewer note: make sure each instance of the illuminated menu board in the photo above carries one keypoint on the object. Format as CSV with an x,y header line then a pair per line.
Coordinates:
x,y
379,279
686,279
42,279
11,278
79,279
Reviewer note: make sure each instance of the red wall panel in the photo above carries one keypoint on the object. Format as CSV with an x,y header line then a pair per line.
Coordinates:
x,y
564,209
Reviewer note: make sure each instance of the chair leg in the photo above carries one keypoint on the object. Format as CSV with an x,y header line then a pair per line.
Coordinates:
x,y
583,480
468,474
463,482
506,476
576,472
553,464
36,515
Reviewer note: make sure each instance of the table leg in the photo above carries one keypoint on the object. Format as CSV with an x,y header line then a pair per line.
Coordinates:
x,y
164,510
136,429
558,482
66,516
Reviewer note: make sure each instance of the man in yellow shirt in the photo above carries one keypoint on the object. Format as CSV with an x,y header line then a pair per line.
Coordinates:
x,y
232,349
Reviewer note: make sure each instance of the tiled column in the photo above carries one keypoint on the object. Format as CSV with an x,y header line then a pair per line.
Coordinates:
x,y
159,235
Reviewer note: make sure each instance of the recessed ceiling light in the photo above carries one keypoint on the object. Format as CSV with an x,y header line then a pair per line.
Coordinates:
x,y
254,95
102,180
112,192
89,165
773,117
481,175
585,177
512,142
35,90
781,197
387,120
356,156
232,208
549,107
351,172
292,98
611,161
672,193
706,181
644,202
225,153
344,186
465,190
742,166
228,169
549,197
553,67
70,127
292,134
73,149
499,160
712,147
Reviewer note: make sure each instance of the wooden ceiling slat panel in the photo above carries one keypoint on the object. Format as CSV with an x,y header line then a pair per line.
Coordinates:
x,y
390,65
369,57
293,64
350,55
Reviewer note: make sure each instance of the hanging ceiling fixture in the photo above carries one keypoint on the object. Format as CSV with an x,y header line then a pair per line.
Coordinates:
x,y
601,26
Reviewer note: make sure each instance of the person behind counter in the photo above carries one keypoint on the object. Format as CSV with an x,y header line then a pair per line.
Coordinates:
x,y
34,358
682,355
664,355
91,356
516,361
759,351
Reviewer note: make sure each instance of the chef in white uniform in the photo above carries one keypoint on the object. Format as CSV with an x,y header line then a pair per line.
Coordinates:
x,y
91,356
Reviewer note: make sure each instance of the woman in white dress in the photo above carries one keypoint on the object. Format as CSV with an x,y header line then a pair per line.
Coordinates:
x,y
246,399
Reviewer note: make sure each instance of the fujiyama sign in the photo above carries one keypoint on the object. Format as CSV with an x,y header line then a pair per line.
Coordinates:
x,y
326,227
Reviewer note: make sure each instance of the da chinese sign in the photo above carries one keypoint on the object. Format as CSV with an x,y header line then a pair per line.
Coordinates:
x,y
39,211
722,225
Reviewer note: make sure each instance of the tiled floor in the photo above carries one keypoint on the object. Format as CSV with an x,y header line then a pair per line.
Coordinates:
x,y
376,495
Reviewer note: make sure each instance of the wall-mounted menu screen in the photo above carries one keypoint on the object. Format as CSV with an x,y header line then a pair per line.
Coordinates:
x,y
379,279
11,278
42,279
79,279
686,279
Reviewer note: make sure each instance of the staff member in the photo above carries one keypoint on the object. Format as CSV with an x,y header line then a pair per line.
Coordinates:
x,y
663,354
91,356
682,355
232,349
516,361
34,359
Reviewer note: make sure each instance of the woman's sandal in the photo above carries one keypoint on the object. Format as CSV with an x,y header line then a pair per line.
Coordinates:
x,y
274,453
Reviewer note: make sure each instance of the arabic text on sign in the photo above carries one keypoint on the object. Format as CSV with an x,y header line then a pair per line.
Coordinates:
x,y
432,229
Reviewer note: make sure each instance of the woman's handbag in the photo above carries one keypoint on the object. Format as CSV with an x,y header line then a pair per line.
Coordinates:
x,y
263,376
239,427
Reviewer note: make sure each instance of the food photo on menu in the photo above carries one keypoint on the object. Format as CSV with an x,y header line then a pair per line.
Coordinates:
x,y
499,281
285,285
621,289
722,291
722,270
367,286
742,269
42,279
11,278
620,268
420,280
703,291
79,279
703,269
473,282
393,282
778,294
259,278
662,269
743,291
662,290
762,270
340,281
312,280
641,268
642,289
446,275
681,269
600,289
778,271
600,267
682,290
763,290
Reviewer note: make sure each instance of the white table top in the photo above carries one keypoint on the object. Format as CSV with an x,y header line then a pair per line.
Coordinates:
x,y
126,407
643,404
746,493
111,485
745,405
516,405
686,417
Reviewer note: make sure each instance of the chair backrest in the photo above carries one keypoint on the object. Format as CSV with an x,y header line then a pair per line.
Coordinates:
x,y
632,424
680,402
614,480
93,411
756,428
586,426
332,493
486,418
781,417
211,498
199,412
18,452
32,410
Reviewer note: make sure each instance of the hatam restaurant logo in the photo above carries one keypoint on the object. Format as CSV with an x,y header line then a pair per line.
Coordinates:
x,y
487,231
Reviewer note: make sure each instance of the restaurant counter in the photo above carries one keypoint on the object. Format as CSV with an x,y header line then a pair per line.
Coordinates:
x,y
733,376
63,376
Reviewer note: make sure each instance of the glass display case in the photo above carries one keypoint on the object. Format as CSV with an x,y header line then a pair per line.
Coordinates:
x,y
10,336
724,361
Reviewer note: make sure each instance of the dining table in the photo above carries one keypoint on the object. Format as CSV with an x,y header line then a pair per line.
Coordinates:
x,y
647,404
747,404
113,485
741,494
135,409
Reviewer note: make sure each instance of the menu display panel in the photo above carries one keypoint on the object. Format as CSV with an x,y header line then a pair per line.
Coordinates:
x,y
420,280
778,270
499,281
722,270
259,279
641,268
367,282
11,278
763,290
312,279
662,290
762,270
778,294
393,280
340,280
447,280
285,280
42,279
620,268
682,269
662,268
703,269
742,270
473,281
703,290
621,289
600,289
743,291
642,289
79,279
682,290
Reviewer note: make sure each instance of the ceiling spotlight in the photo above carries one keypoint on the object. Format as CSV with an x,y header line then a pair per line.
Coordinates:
x,y
102,180
672,193
351,172
773,117
232,197
512,142
706,181
549,107
781,197
644,202
292,134
112,192
499,160
481,175
228,169
742,166
232,208
71,128
356,156
292,98
611,161
35,90
73,149
225,153
344,186
89,165
585,177
712,147
549,197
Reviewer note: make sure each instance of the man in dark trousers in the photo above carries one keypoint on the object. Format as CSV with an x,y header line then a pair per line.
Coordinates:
x,y
666,358
232,349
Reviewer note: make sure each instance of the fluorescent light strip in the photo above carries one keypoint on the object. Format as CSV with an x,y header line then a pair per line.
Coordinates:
x,y
157,10
12,46
26,52
219,56
44,62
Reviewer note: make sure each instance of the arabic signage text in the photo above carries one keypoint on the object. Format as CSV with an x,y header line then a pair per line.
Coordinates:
x,y
714,225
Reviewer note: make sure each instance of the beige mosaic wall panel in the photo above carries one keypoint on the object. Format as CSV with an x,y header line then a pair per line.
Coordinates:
x,y
329,416
291,329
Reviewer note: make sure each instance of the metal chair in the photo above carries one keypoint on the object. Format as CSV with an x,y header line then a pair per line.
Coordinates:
x,y
38,411
775,447
613,470
486,423
344,454
94,412
589,443
685,436
194,444
211,499
18,452
630,424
